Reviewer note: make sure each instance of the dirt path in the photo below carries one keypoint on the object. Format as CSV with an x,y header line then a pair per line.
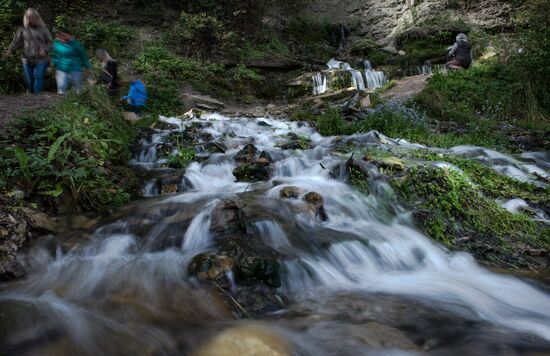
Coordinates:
x,y
13,106
406,88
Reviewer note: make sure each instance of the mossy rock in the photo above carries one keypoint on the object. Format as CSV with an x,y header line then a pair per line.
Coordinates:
x,y
252,172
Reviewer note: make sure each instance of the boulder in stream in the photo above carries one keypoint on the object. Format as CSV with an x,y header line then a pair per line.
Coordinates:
x,y
210,267
247,154
290,192
245,341
316,202
252,172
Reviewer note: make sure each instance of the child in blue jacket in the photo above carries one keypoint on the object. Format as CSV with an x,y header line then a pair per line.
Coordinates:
x,y
137,97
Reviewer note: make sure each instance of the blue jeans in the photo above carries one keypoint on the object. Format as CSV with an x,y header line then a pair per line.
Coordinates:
x,y
34,76
64,80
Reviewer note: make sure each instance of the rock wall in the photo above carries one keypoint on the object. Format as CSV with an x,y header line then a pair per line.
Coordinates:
x,y
384,20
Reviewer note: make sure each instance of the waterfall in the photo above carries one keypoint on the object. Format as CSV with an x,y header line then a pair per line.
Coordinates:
x,y
319,84
361,80
375,78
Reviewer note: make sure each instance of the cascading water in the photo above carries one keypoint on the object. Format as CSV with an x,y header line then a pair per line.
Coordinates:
x,y
369,79
319,84
362,281
375,78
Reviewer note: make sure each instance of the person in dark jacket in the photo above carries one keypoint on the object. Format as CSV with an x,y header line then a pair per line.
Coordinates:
x,y
68,57
109,73
36,41
460,54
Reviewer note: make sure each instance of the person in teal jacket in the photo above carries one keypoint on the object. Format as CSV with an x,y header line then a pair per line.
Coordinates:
x,y
69,58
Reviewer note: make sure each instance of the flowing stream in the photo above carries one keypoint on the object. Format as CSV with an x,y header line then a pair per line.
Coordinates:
x,y
360,280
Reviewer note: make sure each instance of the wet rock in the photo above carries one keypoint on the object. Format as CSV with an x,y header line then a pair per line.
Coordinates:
x,y
290,192
202,102
171,183
254,262
391,163
245,341
210,267
258,300
316,201
250,172
264,159
296,142
163,125
10,269
41,222
226,219
263,123
313,198
247,154
215,147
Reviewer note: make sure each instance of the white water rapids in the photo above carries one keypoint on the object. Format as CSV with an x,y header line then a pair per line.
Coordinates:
x,y
117,290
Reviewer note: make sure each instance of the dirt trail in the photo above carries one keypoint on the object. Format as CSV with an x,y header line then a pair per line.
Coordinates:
x,y
406,88
13,106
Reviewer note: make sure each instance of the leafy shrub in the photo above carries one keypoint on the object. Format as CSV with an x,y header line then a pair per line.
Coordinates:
x,y
113,37
79,148
200,35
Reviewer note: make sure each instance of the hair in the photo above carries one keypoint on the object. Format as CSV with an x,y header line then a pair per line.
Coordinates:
x,y
33,12
461,37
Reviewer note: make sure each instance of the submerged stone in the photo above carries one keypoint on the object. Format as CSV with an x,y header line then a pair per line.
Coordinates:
x,y
247,154
290,192
210,267
252,172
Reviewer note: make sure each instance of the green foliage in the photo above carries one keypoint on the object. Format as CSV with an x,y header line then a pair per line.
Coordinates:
x,y
80,147
182,158
312,39
11,75
454,202
491,183
165,72
368,48
201,35
113,37
331,123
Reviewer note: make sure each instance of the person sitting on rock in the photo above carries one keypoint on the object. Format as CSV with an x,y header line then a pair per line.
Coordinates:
x,y
137,97
460,56
109,73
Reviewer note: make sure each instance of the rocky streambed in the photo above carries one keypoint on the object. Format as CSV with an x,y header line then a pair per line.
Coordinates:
x,y
268,243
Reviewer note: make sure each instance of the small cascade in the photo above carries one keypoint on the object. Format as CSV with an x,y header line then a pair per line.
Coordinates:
x,y
360,80
319,84
375,78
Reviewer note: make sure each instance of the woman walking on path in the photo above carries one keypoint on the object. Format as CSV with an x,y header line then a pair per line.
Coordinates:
x,y
36,41
68,57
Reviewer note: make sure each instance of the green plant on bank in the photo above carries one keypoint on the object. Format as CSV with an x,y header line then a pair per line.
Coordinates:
x,y
79,149
488,181
456,208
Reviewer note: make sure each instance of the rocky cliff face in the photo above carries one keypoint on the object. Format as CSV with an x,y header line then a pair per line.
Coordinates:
x,y
385,20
